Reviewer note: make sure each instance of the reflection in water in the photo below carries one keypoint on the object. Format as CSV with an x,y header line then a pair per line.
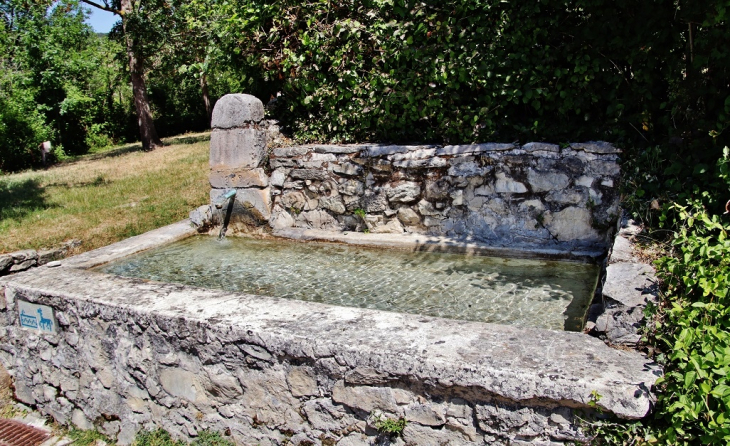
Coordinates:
x,y
544,294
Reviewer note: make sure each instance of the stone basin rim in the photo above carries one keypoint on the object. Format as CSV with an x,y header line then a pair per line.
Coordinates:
x,y
410,242
512,363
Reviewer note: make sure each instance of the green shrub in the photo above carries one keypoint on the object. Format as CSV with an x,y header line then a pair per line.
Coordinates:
x,y
22,129
694,397
161,437
689,333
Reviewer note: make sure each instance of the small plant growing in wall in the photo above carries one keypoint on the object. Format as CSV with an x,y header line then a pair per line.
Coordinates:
x,y
593,400
361,213
540,218
390,426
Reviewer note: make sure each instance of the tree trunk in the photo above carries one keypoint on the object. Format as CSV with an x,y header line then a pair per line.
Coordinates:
x,y
147,130
206,96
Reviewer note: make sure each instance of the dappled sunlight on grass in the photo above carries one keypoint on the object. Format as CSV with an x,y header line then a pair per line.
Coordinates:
x,y
104,199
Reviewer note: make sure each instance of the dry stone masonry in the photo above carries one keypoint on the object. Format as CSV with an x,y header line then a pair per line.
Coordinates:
x,y
528,196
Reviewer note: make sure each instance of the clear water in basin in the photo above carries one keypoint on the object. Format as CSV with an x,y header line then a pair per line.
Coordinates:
x,y
535,293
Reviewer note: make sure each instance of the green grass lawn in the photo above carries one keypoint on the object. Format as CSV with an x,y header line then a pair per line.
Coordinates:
x,y
104,197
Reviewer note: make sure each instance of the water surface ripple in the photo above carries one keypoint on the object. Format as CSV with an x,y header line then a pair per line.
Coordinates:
x,y
535,293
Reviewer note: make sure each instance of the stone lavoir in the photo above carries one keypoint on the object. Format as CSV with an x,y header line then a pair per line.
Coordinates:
x,y
123,354
534,196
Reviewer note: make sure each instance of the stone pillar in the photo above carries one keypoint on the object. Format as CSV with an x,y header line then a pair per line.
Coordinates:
x,y
237,155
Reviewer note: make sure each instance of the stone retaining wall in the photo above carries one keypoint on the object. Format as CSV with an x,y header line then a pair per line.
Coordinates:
x,y
17,261
127,354
527,196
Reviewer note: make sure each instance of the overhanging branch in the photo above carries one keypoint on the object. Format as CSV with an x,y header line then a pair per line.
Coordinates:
x,y
102,7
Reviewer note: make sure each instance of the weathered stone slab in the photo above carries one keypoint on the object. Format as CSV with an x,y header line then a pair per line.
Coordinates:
x,y
600,147
334,204
23,265
429,243
467,149
287,152
347,169
202,216
622,250
571,224
223,179
351,187
132,245
308,174
629,283
467,169
432,163
628,287
237,148
253,203
546,181
346,149
5,261
381,150
318,219
236,110
505,184
403,192
540,147
418,154
278,177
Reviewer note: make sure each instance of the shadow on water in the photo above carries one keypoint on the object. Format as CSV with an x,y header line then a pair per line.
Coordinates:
x,y
18,199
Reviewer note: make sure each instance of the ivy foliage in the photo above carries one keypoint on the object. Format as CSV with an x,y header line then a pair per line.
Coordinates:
x,y
486,70
694,331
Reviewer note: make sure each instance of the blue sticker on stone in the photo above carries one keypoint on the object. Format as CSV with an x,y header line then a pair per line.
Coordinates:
x,y
46,324
27,320
36,317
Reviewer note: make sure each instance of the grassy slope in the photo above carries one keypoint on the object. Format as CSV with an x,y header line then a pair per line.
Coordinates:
x,y
104,197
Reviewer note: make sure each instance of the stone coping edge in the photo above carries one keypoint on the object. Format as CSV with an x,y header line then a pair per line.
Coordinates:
x,y
378,150
151,239
531,366
412,242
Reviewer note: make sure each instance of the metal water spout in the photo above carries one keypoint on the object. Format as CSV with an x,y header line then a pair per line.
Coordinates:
x,y
227,197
